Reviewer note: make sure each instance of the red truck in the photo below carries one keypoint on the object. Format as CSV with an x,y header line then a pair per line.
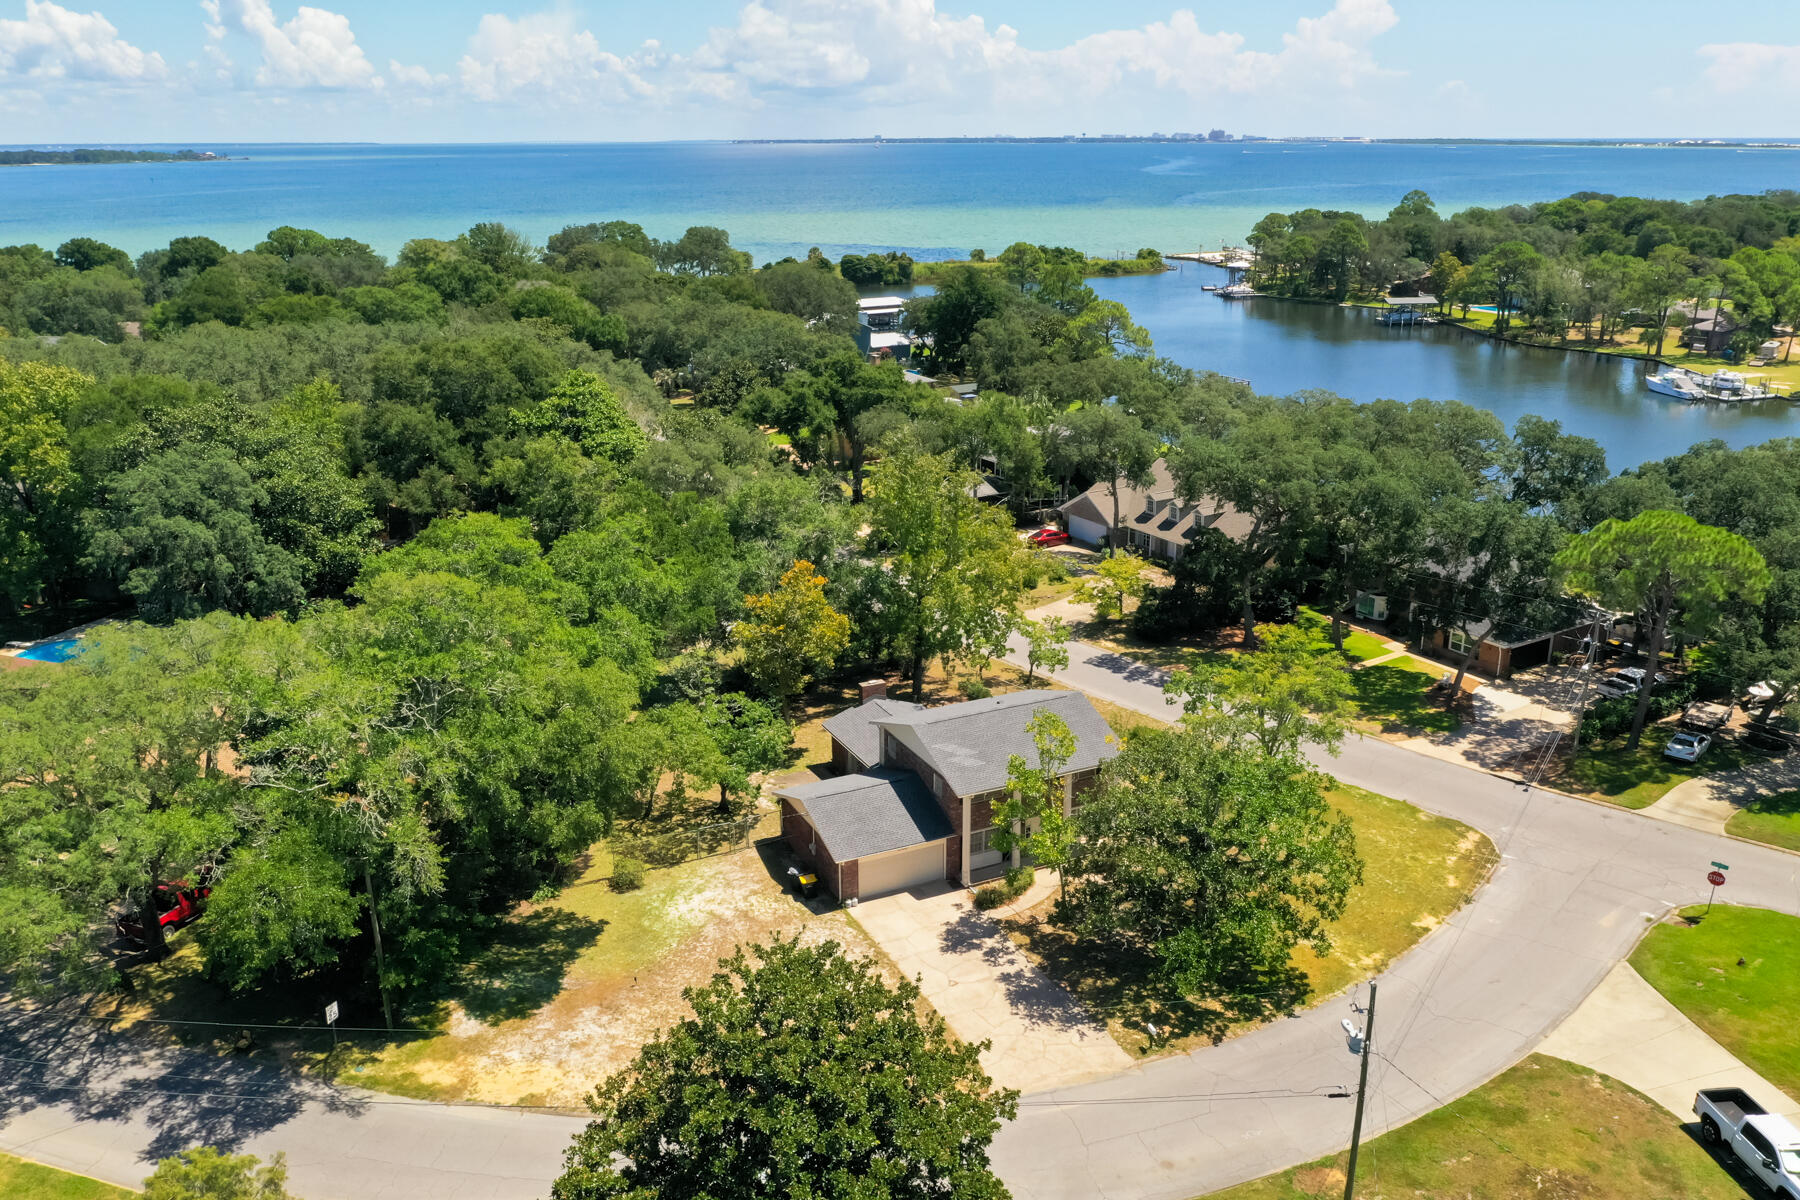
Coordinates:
x,y
176,903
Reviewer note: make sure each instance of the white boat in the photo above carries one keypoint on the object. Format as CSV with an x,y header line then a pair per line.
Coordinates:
x,y
1726,381
1236,291
1683,385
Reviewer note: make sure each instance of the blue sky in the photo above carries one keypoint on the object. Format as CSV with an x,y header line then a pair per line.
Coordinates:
x,y
195,71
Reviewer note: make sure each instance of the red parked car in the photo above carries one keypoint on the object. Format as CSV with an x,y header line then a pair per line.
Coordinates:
x,y
1047,537
178,903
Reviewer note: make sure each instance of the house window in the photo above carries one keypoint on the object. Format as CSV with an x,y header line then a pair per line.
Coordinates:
x,y
1459,642
979,841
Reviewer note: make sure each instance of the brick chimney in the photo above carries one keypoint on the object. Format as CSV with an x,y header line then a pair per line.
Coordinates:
x,y
874,689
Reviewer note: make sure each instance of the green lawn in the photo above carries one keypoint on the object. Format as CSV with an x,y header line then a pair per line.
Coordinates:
x,y
1358,646
21,1180
1639,778
1394,696
1364,646
1418,868
1771,819
1750,1010
1547,1128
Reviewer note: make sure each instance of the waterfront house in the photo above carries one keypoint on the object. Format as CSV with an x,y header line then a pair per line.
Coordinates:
x,y
1154,520
879,332
1710,331
913,795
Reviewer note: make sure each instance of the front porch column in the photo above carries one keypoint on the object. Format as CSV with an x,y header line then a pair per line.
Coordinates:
x,y
966,831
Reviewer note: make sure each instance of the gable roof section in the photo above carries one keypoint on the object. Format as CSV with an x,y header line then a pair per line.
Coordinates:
x,y
854,728
969,744
870,812
1147,509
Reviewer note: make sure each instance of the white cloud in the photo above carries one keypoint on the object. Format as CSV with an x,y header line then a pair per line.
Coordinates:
x,y
314,49
883,54
1740,66
414,76
546,56
54,42
907,51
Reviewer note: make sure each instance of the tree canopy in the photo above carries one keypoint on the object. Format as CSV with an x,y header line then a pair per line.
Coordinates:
x,y
800,1072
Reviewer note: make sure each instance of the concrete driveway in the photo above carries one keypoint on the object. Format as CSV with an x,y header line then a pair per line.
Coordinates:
x,y
988,991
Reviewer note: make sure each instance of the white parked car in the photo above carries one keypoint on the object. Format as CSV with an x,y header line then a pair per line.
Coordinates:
x,y
1636,675
1688,747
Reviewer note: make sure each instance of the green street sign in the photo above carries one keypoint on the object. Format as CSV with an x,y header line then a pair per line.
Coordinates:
x,y
1721,866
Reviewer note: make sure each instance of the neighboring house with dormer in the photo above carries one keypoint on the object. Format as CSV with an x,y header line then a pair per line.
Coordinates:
x,y
1154,520
913,799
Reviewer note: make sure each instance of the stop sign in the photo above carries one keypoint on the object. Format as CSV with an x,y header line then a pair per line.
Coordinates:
x,y
1716,878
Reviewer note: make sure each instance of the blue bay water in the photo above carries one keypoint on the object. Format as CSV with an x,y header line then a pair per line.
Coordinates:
x,y
935,200
939,200
1283,347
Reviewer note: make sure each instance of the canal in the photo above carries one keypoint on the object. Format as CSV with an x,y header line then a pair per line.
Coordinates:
x,y
1283,347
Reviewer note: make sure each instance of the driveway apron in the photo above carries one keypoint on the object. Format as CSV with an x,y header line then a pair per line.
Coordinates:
x,y
987,990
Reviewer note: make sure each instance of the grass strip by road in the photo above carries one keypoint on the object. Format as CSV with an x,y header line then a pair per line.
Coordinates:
x,y
1772,820
1418,869
1546,1128
22,1180
1752,1010
1639,778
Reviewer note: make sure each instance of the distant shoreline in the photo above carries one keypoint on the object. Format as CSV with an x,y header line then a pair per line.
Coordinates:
x,y
94,157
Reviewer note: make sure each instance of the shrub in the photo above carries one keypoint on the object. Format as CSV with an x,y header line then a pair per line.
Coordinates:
x,y
973,689
1606,719
627,875
991,896
1015,883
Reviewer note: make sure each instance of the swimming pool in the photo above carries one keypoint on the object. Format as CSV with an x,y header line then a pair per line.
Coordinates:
x,y
60,651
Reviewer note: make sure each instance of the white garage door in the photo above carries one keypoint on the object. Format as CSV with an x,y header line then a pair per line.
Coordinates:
x,y
1084,530
882,873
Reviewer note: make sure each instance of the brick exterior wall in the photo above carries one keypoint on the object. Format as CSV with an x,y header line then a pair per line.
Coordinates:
x,y
953,858
840,758
796,832
848,890
981,814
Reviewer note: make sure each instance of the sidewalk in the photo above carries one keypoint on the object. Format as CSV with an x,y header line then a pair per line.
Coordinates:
x,y
1627,1030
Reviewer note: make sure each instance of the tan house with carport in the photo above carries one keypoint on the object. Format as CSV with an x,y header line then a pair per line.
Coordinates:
x,y
914,797
1153,520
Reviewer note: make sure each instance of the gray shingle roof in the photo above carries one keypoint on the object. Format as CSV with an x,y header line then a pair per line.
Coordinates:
x,y
870,811
854,728
1159,510
969,744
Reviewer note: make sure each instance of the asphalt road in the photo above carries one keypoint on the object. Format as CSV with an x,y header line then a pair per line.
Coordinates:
x,y
107,1105
1576,886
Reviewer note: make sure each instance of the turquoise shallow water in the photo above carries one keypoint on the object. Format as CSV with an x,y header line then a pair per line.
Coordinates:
x,y
934,200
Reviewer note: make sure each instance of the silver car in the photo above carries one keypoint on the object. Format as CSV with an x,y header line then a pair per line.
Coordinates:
x,y
1688,747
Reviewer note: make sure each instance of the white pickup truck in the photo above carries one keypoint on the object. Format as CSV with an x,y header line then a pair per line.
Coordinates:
x,y
1769,1145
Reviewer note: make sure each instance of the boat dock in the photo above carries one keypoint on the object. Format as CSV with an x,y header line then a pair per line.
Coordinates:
x,y
1720,387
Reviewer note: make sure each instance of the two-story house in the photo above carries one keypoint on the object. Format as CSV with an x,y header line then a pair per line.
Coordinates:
x,y
913,801
1155,520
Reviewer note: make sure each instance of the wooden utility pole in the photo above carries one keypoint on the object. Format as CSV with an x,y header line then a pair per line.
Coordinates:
x,y
1362,1088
